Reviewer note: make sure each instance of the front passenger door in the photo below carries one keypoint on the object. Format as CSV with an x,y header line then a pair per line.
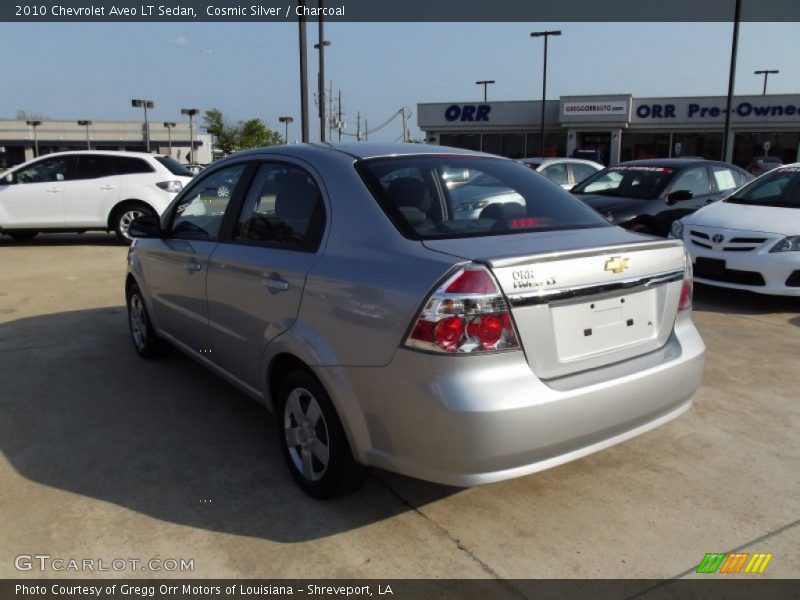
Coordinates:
x,y
694,180
176,269
35,199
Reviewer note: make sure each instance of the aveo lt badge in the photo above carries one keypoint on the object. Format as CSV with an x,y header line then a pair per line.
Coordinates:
x,y
617,264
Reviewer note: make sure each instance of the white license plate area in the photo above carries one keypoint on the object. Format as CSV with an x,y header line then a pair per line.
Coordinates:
x,y
597,326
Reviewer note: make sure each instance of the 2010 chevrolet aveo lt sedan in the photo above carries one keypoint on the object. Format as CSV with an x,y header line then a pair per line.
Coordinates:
x,y
333,284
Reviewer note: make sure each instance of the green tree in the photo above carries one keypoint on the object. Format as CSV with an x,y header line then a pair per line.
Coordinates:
x,y
226,137
253,133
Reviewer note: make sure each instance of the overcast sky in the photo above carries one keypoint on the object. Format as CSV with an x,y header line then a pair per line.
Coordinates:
x,y
92,70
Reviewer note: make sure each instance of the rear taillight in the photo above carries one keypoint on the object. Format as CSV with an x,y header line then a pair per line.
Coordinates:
x,y
172,187
466,314
687,287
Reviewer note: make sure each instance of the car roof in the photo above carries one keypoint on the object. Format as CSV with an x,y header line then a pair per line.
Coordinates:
x,y
548,159
102,152
676,163
364,150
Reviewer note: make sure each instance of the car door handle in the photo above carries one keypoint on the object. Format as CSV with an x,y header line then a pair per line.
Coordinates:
x,y
108,187
193,266
276,283
53,190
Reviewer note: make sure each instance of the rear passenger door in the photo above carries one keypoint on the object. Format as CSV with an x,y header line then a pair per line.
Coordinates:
x,y
256,275
91,190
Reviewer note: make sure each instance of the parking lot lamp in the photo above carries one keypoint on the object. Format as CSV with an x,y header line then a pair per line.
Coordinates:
x,y
169,125
145,104
766,73
301,24
286,121
86,124
485,83
726,134
35,124
191,112
545,35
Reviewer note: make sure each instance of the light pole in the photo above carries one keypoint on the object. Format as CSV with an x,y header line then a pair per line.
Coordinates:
x,y
286,121
545,35
145,104
485,83
321,79
169,125
190,112
86,124
766,73
35,124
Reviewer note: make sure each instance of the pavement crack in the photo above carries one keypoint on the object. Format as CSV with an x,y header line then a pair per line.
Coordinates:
x,y
458,543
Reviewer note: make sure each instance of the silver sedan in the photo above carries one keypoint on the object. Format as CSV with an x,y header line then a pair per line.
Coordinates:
x,y
336,285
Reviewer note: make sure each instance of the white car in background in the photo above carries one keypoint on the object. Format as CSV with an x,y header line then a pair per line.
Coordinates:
x,y
751,240
566,172
86,190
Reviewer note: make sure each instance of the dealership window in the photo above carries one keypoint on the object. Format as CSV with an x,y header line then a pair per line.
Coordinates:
x,y
747,146
705,145
555,144
469,141
511,145
636,146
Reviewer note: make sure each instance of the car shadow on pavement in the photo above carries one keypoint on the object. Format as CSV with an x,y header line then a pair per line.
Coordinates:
x,y
94,238
740,302
81,412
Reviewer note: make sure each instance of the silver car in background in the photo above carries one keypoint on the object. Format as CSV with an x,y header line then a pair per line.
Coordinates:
x,y
335,285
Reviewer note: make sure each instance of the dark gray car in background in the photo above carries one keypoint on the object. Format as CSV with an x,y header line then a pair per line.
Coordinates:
x,y
335,285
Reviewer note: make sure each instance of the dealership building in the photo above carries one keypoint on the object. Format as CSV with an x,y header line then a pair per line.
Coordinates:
x,y
19,140
620,127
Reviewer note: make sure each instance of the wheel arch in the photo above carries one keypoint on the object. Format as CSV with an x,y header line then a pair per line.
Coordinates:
x,y
122,203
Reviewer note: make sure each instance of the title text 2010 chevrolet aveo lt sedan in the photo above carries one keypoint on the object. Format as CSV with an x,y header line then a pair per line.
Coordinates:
x,y
333,284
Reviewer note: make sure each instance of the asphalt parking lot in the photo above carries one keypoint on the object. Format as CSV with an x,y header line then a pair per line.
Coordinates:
x,y
105,455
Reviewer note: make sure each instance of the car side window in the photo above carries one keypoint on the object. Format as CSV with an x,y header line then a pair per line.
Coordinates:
x,y
200,212
725,178
49,169
581,171
283,208
128,166
695,180
556,173
94,166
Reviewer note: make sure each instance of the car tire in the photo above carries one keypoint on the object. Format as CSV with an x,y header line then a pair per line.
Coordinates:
x,y
143,334
313,440
22,236
123,215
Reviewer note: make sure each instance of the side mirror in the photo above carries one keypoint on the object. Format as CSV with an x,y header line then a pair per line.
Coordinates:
x,y
678,196
146,226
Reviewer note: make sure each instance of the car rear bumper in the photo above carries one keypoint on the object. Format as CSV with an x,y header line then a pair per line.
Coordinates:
x,y
469,420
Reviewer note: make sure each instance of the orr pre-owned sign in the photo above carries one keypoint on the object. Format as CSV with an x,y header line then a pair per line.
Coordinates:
x,y
693,110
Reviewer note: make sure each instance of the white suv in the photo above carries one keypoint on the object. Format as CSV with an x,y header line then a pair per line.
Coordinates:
x,y
79,191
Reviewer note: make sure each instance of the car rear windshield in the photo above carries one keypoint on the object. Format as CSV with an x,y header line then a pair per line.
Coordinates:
x,y
627,182
174,166
780,187
500,197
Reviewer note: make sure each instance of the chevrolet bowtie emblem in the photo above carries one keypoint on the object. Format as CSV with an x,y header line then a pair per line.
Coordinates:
x,y
616,264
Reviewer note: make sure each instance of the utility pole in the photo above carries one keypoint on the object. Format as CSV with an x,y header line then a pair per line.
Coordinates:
x,y
731,78
405,128
301,23
321,79
330,111
340,115
366,130
358,126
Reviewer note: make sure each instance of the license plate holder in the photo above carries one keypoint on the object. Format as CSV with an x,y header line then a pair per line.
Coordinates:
x,y
712,267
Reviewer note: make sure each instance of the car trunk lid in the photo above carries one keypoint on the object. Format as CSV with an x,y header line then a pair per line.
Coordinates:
x,y
590,298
